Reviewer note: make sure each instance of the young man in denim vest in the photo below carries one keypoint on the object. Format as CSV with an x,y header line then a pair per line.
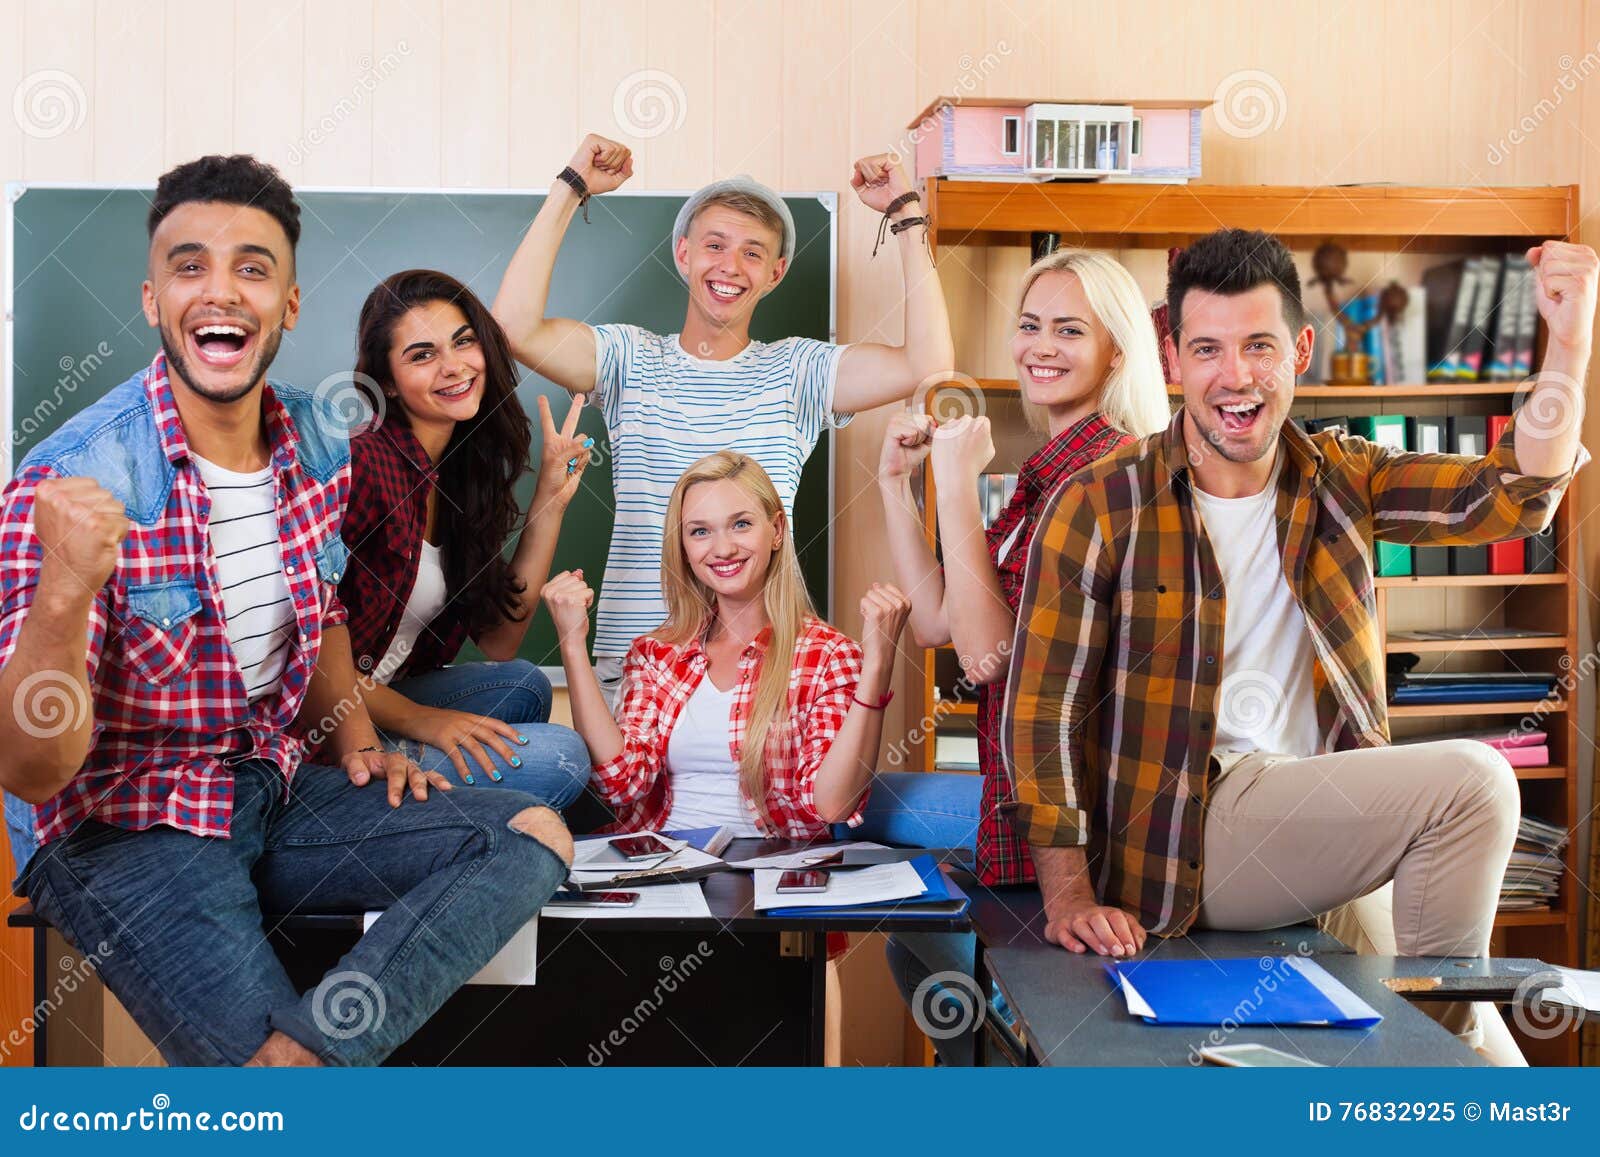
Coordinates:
x,y
156,799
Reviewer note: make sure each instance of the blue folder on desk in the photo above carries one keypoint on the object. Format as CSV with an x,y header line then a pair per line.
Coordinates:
x,y
943,897
1266,990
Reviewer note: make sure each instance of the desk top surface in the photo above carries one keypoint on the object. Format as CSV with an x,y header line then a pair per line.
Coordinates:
x,y
1071,1015
730,895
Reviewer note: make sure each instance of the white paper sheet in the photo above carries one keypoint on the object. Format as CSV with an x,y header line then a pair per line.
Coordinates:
x,y
1578,988
684,901
874,885
514,964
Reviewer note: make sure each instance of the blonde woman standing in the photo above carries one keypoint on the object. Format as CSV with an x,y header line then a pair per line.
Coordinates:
x,y
1089,373
743,708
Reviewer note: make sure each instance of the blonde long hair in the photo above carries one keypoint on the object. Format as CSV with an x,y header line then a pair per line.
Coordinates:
x,y
692,609
1133,398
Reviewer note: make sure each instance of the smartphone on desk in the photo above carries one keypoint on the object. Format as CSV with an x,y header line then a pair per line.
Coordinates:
x,y
569,899
1255,1057
641,847
803,880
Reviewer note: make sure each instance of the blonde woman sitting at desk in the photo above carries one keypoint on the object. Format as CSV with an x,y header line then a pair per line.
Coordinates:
x,y
708,731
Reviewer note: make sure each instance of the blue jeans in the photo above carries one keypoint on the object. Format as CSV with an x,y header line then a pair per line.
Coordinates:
x,y
933,970
174,921
553,764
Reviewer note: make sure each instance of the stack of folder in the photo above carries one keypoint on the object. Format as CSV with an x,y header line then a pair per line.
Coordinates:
x,y
1533,877
1409,687
1521,748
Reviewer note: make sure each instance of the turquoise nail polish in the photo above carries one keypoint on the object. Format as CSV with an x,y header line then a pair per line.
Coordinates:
x,y
588,443
515,762
496,776
522,739
469,779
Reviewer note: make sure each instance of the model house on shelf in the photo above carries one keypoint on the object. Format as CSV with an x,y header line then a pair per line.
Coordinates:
x,y
1021,140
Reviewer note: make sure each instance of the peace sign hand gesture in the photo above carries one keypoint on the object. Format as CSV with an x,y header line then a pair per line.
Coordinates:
x,y
565,456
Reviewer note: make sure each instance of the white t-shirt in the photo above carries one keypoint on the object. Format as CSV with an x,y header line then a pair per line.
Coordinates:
x,y
705,779
664,410
1266,701
255,592
426,601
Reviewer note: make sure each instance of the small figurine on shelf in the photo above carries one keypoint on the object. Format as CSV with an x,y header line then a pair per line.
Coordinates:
x,y
1350,364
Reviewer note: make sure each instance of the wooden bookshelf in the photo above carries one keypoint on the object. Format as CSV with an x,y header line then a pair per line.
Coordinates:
x,y
1390,219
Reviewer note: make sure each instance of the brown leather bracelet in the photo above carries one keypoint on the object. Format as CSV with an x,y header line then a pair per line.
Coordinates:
x,y
572,178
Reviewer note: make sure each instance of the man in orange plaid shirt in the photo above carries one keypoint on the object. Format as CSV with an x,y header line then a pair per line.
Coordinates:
x,y
1196,717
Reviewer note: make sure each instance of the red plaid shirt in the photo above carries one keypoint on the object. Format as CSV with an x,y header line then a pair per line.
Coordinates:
x,y
170,711
391,477
658,679
1002,855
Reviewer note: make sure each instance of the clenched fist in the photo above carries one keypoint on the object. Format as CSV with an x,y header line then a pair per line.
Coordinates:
x,y
568,598
878,181
884,611
603,164
906,444
81,526
1565,277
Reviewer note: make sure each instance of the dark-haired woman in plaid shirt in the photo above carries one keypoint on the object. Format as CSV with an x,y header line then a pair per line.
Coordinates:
x,y
1090,378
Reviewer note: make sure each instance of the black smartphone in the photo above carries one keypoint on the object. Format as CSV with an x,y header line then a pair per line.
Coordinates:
x,y
608,899
803,880
641,847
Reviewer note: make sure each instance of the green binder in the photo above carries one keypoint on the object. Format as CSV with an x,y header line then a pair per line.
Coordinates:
x,y
1393,558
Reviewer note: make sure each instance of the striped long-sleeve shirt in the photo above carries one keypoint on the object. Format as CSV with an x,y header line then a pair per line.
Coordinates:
x,y
1118,655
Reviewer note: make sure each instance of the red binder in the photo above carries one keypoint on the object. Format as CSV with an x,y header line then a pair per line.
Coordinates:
x,y
1505,557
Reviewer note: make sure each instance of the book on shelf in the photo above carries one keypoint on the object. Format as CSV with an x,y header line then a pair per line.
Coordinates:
x,y
1482,319
994,493
1469,435
1510,556
1393,558
1428,435
1533,875
1449,313
1470,634
955,753
1540,552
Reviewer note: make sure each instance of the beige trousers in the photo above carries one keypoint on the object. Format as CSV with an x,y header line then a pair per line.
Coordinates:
x,y
1291,839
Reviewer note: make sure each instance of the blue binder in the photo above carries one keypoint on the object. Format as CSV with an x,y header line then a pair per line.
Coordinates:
x,y
943,897
1267,990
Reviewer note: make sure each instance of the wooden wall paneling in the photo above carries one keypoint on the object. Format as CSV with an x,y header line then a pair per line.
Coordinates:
x,y
544,128
126,119
58,62
674,100
747,112
475,77
611,47
198,95
269,83
408,126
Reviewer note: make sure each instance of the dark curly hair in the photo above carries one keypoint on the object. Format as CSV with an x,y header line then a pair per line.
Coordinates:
x,y
236,180
1232,261
486,454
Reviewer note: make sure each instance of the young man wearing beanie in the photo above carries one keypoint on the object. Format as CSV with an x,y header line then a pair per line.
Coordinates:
x,y
671,399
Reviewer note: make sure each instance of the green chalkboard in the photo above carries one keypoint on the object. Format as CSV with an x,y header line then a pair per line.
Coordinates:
x,y
78,257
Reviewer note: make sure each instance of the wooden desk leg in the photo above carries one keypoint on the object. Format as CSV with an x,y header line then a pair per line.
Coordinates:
x,y
41,1009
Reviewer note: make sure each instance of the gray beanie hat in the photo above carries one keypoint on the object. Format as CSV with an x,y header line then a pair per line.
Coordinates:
x,y
746,185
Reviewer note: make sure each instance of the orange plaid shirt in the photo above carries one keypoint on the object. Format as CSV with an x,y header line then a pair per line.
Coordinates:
x,y
1118,655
